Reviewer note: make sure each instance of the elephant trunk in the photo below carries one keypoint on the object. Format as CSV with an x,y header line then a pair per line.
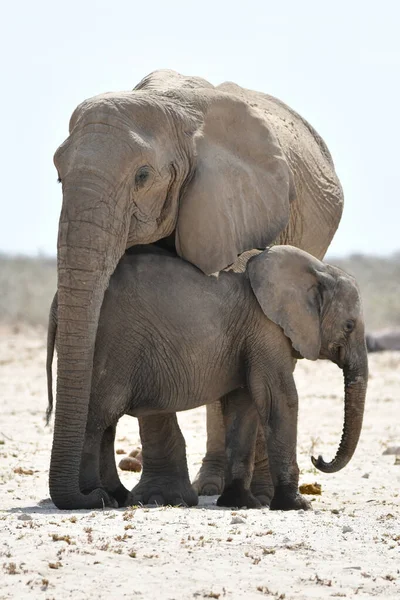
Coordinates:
x,y
88,252
355,382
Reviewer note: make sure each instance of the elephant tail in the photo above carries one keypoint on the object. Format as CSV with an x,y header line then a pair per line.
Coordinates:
x,y
51,340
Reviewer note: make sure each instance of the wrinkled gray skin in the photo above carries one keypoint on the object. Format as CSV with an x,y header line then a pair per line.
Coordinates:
x,y
211,171
171,339
384,340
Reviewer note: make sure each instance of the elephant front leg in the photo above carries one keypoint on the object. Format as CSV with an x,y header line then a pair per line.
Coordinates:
x,y
277,403
165,477
241,422
210,479
281,436
108,469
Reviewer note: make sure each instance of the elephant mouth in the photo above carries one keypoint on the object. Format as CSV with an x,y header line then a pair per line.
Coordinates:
x,y
335,354
340,357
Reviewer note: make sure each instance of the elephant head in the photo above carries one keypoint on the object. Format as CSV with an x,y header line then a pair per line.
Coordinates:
x,y
175,157
318,306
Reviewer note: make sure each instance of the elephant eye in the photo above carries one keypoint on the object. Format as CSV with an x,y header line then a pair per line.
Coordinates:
x,y
141,176
349,326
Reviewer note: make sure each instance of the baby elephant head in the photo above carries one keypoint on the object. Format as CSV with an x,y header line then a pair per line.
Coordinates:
x,y
318,306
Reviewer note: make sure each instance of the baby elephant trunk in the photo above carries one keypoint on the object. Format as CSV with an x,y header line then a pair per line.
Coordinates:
x,y
355,385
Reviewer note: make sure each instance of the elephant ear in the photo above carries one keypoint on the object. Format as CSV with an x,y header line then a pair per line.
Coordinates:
x,y
238,198
289,285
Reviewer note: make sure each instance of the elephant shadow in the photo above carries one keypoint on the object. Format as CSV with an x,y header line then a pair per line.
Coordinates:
x,y
47,507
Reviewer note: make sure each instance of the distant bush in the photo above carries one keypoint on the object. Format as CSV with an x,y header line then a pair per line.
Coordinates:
x,y
379,281
27,286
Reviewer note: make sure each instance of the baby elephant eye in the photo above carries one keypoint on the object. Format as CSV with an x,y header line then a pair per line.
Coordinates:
x,y
141,176
349,326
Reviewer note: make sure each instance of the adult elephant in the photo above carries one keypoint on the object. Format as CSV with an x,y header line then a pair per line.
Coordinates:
x,y
215,171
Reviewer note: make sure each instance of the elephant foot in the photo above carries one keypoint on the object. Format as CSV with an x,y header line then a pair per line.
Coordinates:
x,y
296,501
210,480
163,491
263,492
236,496
262,489
121,495
97,498
261,486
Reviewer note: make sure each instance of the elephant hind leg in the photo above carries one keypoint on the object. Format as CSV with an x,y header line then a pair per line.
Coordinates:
x,y
165,477
108,468
89,477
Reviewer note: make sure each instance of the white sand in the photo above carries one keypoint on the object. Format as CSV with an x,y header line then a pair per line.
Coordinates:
x,y
349,544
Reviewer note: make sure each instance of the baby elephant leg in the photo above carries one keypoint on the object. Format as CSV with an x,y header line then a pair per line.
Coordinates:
x,y
108,468
165,478
277,405
90,477
210,479
282,440
241,421
261,484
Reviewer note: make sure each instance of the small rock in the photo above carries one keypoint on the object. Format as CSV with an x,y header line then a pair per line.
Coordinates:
x,y
130,464
335,511
365,476
286,540
45,501
135,452
391,450
237,520
24,517
347,529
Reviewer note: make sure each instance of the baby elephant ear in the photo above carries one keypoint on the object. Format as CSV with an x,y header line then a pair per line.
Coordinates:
x,y
286,282
239,196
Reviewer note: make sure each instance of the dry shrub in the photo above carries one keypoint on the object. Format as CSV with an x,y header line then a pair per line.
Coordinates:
x,y
27,287
379,281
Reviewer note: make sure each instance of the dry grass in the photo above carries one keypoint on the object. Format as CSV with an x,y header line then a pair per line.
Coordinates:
x,y
27,286
379,281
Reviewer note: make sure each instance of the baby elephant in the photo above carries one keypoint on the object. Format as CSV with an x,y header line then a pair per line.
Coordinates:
x,y
171,339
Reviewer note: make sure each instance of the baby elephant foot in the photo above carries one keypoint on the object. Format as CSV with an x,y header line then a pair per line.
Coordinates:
x,y
163,491
284,501
210,480
263,491
236,496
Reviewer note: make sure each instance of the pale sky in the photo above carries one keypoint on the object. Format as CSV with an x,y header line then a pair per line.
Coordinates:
x,y
336,63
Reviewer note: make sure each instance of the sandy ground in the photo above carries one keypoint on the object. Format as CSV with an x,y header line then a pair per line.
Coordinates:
x,y
348,545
